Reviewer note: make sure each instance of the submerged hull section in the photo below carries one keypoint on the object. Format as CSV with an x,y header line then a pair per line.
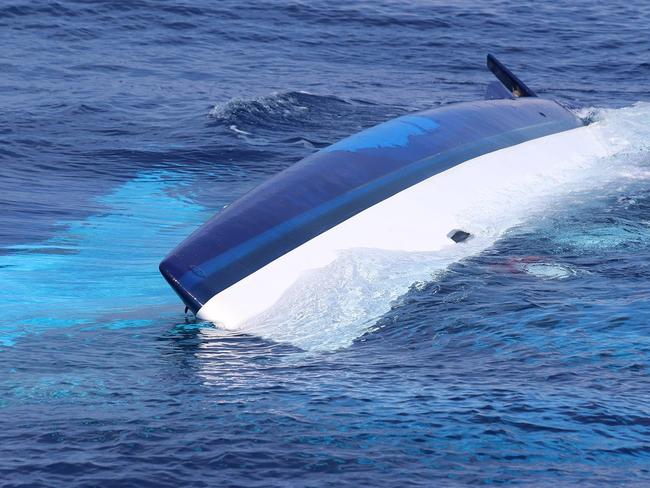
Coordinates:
x,y
374,189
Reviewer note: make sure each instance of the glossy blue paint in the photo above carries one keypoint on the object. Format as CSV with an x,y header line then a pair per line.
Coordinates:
x,y
394,133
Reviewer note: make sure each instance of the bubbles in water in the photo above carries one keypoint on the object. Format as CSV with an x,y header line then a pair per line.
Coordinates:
x,y
601,238
549,271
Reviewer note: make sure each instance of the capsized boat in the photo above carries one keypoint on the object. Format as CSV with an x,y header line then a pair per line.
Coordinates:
x,y
400,185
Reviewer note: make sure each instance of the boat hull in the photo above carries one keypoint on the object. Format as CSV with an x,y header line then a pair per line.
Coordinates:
x,y
416,219
345,179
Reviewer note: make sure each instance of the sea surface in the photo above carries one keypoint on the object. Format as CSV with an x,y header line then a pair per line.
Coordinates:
x,y
126,124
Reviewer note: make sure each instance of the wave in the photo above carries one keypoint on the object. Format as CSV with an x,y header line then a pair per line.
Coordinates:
x,y
293,106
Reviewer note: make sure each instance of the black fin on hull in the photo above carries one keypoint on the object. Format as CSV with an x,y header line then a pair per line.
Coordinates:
x,y
513,84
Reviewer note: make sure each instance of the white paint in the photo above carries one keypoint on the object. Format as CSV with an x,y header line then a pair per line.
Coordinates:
x,y
478,196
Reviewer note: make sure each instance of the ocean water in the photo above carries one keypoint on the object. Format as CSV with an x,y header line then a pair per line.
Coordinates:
x,y
125,125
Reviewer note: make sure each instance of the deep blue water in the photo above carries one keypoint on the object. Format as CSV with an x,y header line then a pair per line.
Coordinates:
x,y
124,125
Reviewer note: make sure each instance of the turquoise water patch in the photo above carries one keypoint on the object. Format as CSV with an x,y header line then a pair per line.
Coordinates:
x,y
394,133
103,264
603,237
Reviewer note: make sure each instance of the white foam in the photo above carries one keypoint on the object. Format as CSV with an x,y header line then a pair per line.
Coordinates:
x,y
549,271
330,307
